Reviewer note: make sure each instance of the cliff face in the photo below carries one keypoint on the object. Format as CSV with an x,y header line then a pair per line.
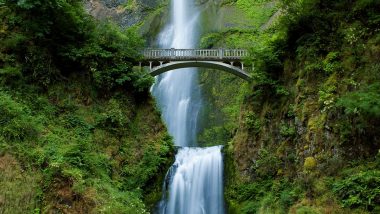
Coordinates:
x,y
303,137
124,12
148,15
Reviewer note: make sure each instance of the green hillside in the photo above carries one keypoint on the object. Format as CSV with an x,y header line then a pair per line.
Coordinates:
x,y
79,132
303,136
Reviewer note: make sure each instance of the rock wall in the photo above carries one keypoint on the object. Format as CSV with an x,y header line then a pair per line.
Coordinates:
x,y
124,12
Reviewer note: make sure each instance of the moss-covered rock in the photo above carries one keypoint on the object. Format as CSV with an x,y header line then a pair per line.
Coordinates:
x,y
309,164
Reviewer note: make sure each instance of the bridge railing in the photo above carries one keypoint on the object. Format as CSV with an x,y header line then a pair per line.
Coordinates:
x,y
195,54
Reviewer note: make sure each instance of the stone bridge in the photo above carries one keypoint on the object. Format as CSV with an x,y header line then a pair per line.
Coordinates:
x,y
163,60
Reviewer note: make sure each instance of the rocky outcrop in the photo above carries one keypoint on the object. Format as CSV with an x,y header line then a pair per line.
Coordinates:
x,y
123,12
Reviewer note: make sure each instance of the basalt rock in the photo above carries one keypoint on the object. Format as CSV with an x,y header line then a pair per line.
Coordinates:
x,y
124,12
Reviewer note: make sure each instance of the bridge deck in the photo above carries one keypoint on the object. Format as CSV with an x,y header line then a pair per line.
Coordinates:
x,y
194,54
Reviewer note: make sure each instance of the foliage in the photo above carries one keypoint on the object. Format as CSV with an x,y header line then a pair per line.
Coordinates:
x,y
68,110
287,130
217,135
252,122
267,196
66,39
267,164
316,68
359,190
114,118
365,102
17,123
330,63
109,56
258,11
327,93
68,147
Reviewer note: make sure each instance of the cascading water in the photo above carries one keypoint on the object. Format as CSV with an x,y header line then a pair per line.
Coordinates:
x,y
195,180
177,92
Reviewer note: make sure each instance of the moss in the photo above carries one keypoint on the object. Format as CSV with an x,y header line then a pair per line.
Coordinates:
x,y
317,122
307,210
310,164
153,22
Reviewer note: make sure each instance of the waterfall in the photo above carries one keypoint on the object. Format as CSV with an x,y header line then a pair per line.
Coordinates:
x,y
177,92
195,181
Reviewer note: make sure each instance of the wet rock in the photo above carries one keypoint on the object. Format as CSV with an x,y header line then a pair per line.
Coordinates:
x,y
114,3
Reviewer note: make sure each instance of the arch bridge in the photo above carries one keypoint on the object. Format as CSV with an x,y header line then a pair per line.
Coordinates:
x,y
163,60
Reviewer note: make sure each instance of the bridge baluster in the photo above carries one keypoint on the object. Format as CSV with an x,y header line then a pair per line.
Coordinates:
x,y
204,54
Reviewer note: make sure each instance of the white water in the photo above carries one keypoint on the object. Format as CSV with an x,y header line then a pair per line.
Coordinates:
x,y
177,92
195,181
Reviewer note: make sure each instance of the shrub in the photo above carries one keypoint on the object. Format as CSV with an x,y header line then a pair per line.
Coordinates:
x,y
287,130
267,164
16,121
365,102
331,63
45,48
109,56
252,122
359,190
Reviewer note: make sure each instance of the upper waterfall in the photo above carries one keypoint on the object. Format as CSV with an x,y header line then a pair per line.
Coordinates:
x,y
178,93
196,178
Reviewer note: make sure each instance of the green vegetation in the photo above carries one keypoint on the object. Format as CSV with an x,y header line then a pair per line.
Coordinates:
x,y
360,190
79,132
305,138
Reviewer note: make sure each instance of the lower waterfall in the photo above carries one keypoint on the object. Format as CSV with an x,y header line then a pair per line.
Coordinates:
x,y
195,182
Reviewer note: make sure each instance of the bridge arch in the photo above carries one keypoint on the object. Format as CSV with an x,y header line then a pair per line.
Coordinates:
x,y
200,64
